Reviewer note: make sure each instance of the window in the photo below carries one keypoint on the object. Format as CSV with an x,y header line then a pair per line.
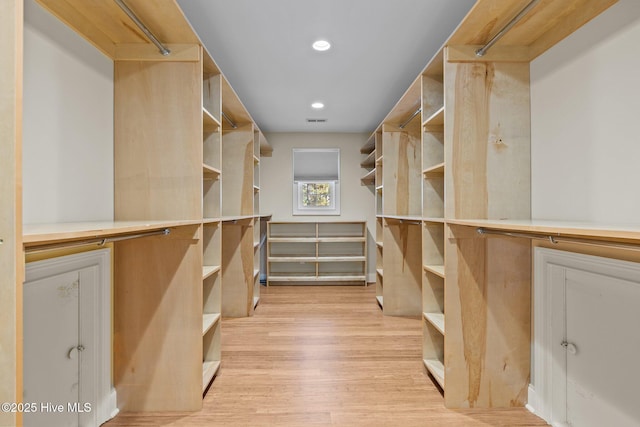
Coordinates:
x,y
316,181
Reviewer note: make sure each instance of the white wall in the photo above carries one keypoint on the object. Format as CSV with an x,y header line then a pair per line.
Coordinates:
x,y
585,109
68,124
276,180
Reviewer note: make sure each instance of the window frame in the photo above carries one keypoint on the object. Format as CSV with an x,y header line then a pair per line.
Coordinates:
x,y
297,207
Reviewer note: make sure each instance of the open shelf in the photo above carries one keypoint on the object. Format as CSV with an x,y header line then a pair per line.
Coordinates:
x,y
380,300
369,161
369,178
438,270
436,119
209,172
434,220
209,370
380,272
209,123
436,369
321,251
435,319
34,234
209,321
436,170
208,270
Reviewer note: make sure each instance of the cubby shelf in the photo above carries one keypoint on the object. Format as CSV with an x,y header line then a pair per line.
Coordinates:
x,y
209,270
435,319
437,170
209,172
436,119
436,369
369,178
435,269
322,251
209,123
209,370
369,161
209,321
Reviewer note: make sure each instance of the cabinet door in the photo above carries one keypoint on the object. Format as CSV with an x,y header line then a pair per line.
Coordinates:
x,y
601,349
51,372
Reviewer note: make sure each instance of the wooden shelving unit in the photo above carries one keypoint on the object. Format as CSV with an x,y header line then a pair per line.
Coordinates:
x,y
316,251
169,130
472,140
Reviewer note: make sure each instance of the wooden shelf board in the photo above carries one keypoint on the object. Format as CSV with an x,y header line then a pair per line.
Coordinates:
x,y
404,217
434,220
209,370
211,221
233,107
595,230
379,160
209,321
436,170
529,37
436,119
438,270
236,218
436,319
369,178
35,234
369,161
256,160
256,300
210,172
256,189
342,258
106,27
380,244
209,123
407,105
209,270
292,258
292,239
341,239
380,272
379,188
338,277
256,272
380,300
256,244
436,369
370,145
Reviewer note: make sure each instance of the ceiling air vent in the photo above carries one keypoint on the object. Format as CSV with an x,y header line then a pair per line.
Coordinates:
x,y
316,120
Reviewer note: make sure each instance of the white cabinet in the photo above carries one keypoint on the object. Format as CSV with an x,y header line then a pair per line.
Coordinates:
x,y
67,351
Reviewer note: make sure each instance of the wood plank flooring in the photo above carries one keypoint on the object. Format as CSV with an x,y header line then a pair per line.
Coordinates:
x,y
324,356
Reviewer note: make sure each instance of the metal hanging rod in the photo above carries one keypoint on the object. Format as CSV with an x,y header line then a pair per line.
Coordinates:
x,y
559,239
233,125
418,111
480,52
406,221
97,241
163,50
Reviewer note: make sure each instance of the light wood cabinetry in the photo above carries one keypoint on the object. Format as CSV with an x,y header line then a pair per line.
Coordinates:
x,y
474,145
170,171
11,257
300,252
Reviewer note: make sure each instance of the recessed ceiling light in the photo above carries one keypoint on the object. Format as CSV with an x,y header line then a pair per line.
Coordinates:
x,y
321,45
317,105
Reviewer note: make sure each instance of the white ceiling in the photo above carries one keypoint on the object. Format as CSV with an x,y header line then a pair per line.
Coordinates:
x,y
378,48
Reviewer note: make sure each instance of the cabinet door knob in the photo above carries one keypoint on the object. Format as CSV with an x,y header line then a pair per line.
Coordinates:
x,y
571,348
73,353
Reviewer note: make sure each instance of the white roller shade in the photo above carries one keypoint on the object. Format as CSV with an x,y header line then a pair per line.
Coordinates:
x,y
322,164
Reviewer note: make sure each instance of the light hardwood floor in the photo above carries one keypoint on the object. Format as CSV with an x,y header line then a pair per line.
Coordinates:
x,y
324,356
